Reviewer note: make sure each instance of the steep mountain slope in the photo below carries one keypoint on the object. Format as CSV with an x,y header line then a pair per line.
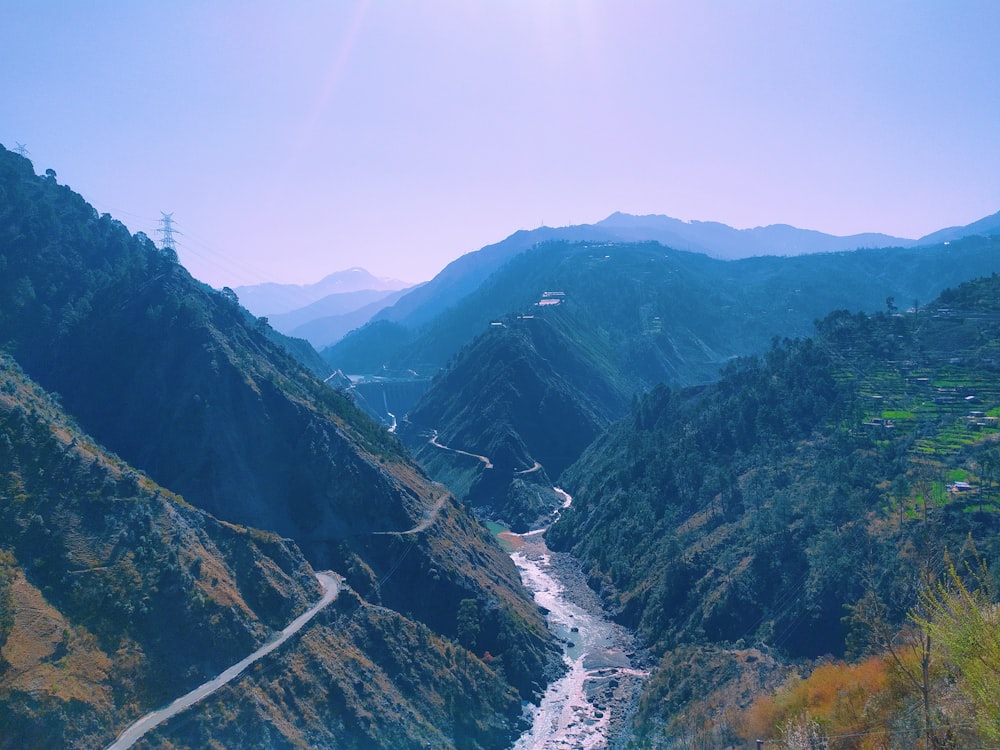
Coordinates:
x,y
754,510
299,349
170,375
356,677
122,594
117,596
530,398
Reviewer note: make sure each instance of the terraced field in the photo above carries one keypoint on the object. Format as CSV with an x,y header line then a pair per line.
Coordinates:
x,y
939,390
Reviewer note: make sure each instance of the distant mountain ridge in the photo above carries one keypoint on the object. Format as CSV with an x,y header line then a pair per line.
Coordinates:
x,y
810,286
275,299
322,313
986,226
415,309
327,321
722,241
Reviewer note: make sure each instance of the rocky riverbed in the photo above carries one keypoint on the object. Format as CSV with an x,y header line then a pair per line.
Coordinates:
x,y
592,704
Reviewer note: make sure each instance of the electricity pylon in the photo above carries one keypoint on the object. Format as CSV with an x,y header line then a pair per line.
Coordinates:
x,y
166,231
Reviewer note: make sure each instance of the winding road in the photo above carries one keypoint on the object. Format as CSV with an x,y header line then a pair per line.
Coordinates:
x,y
331,584
429,517
434,441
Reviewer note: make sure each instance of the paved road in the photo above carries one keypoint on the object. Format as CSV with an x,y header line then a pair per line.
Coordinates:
x,y
331,587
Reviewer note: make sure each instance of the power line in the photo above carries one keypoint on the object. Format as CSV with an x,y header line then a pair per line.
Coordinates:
x,y
232,266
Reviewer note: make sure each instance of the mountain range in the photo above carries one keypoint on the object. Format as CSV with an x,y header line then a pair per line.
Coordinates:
x,y
326,311
397,328
526,368
721,241
270,298
751,447
742,508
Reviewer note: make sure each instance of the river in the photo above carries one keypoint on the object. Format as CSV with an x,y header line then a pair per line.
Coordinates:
x,y
591,705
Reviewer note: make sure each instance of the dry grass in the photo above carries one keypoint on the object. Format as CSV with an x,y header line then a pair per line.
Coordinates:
x,y
49,658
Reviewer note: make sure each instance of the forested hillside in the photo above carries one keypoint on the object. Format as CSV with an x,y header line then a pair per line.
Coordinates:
x,y
530,396
417,310
177,380
568,333
707,310
753,512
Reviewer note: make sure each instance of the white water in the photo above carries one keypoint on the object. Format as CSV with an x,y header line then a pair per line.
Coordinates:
x,y
567,498
566,718
385,401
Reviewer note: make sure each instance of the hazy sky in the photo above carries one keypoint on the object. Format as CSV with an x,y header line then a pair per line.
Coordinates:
x,y
295,139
